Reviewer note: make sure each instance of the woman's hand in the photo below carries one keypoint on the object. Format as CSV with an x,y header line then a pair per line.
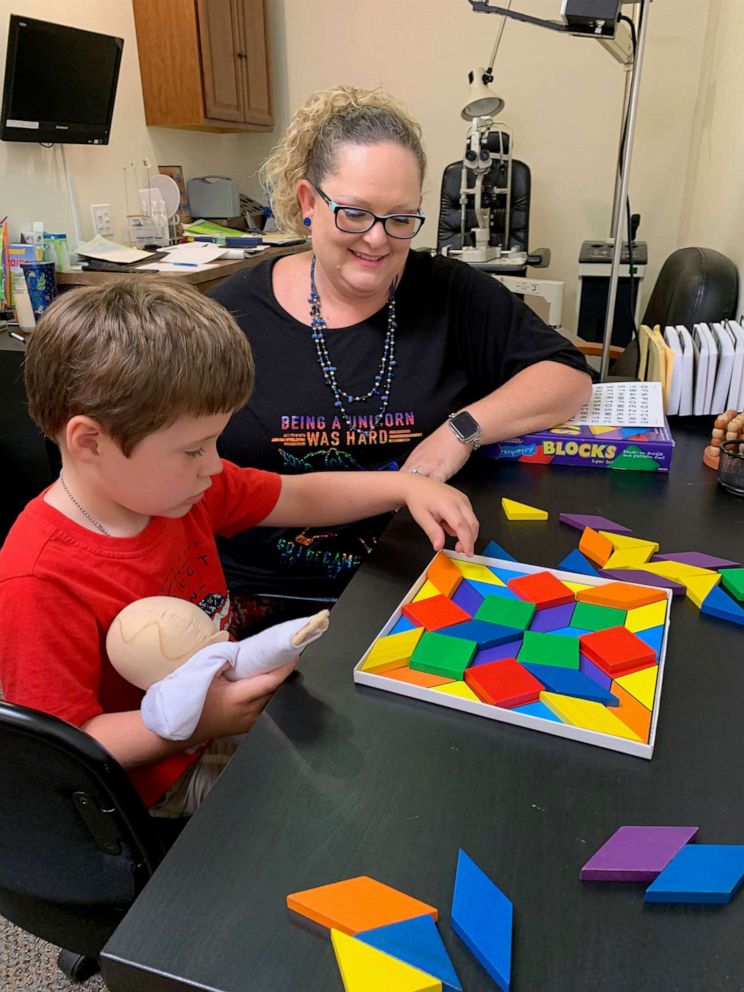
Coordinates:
x,y
440,510
439,456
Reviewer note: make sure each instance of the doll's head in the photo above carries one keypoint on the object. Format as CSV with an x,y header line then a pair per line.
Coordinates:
x,y
152,637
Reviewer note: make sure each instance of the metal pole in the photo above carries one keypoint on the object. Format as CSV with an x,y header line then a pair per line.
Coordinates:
x,y
625,174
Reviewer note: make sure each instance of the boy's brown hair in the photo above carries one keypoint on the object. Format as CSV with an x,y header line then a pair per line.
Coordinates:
x,y
135,355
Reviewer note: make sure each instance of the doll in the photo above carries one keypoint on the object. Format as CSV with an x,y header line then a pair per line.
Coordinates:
x,y
170,648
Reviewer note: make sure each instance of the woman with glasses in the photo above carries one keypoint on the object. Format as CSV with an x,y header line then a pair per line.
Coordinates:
x,y
369,355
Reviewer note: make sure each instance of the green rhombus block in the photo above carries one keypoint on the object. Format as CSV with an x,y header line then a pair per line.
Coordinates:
x,y
506,612
589,616
549,649
442,655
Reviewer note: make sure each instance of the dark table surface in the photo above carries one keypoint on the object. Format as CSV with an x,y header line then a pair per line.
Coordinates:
x,y
338,780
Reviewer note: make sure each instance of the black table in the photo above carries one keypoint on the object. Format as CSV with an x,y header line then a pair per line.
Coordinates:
x,y
339,780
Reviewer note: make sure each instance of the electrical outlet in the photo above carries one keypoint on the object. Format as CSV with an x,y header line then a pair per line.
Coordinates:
x,y
101,214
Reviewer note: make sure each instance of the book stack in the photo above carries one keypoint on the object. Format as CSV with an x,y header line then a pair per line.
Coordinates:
x,y
701,370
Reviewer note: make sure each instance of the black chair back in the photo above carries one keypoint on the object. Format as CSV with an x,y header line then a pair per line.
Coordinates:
x,y
77,844
448,232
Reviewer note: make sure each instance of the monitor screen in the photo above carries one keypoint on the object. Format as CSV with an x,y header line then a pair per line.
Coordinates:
x,y
60,83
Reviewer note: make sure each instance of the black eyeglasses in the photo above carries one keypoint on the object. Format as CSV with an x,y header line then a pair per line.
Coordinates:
x,y
354,220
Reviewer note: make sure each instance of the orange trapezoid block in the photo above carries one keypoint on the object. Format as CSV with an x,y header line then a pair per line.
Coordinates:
x,y
622,595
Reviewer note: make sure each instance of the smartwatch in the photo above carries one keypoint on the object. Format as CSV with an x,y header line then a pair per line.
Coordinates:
x,y
465,428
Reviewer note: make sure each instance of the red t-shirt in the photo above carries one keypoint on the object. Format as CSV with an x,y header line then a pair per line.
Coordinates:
x,y
61,585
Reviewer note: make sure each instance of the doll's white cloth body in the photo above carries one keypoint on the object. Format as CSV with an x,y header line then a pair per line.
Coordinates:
x,y
171,707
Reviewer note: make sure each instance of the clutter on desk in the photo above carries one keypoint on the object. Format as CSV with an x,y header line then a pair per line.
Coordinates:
x,y
41,284
623,441
729,426
111,251
213,196
701,370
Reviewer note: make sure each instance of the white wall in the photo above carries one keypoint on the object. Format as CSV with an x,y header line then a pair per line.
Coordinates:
x,y
563,103
32,185
714,192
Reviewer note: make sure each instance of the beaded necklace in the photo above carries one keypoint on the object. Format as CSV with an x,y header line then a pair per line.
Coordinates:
x,y
383,378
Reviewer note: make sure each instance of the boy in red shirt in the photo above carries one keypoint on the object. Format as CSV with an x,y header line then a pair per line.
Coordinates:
x,y
135,381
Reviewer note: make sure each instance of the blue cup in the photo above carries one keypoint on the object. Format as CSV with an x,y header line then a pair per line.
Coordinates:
x,y
41,284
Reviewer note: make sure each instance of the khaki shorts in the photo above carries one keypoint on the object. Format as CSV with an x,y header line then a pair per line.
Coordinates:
x,y
186,794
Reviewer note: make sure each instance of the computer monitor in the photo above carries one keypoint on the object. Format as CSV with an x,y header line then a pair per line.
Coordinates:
x,y
60,83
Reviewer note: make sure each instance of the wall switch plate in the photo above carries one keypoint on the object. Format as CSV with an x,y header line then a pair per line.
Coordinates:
x,y
101,216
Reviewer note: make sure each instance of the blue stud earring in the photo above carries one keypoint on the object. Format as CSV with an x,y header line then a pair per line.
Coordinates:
x,y
307,222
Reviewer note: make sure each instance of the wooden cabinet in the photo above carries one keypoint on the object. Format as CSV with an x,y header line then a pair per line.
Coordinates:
x,y
204,64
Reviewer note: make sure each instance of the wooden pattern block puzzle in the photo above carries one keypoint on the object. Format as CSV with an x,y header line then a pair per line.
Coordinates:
x,y
549,649
590,617
587,714
732,580
442,655
595,546
719,604
621,595
365,969
444,575
434,613
636,854
630,687
506,612
542,589
570,682
393,651
700,873
416,943
503,683
356,904
482,917
521,511
617,651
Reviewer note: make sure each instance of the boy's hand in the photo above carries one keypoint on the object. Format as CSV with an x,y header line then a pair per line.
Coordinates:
x,y
440,509
233,707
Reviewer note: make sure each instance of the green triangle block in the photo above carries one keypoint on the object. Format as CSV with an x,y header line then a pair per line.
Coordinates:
x,y
732,580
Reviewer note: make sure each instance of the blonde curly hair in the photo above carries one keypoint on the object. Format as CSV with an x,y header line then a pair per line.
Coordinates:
x,y
329,119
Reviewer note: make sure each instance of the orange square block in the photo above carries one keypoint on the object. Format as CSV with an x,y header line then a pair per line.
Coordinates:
x,y
622,595
543,589
444,574
434,613
617,651
595,546
357,904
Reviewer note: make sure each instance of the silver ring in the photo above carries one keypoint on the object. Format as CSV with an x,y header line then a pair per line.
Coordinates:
x,y
414,471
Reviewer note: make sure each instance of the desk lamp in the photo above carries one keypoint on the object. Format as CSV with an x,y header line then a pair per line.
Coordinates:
x,y
603,21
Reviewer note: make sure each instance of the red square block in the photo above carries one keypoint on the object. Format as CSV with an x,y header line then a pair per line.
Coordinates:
x,y
434,613
503,683
617,651
543,589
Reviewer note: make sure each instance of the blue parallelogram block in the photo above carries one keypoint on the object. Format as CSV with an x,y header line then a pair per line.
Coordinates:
x,y
570,682
700,873
482,917
416,942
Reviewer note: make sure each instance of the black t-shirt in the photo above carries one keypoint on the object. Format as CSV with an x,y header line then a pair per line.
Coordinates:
x,y
460,335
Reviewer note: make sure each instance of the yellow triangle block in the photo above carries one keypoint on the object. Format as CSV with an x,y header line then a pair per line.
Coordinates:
x,y
630,557
427,590
641,684
645,617
521,511
392,651
587,714
621,542
459,689
478,573
677,571
698,586
365,969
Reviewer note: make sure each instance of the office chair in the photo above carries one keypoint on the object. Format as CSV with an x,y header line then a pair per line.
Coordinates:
x,y
695,285
77,843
